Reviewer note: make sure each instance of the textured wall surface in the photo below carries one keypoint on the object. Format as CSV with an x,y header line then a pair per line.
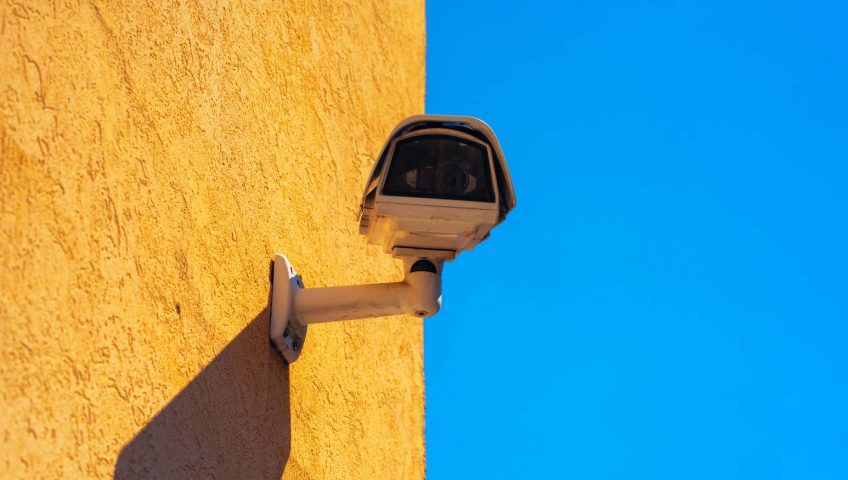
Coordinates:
x,y
154,157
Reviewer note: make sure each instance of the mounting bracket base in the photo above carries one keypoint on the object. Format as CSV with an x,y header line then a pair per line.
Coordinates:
x,y
286,333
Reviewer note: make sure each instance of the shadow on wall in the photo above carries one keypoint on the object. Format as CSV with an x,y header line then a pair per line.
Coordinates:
x,y
232,421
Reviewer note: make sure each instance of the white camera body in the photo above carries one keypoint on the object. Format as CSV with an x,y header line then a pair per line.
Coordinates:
x,y
439,186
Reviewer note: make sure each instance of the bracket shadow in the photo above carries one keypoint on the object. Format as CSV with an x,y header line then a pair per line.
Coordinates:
x,y
233,420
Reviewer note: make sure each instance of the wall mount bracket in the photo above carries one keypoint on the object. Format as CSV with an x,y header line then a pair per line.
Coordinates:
x,y
294,308
286,332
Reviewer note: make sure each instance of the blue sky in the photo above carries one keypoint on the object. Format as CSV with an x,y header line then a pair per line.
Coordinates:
x,y
668,300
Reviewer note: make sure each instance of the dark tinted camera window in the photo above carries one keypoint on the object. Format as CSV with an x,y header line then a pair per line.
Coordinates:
x,y
438,166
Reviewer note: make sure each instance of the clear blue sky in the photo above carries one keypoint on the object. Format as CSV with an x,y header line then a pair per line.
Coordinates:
x,y
669,299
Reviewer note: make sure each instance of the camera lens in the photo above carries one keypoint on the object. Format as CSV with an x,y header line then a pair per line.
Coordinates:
x,y
439,166
451,179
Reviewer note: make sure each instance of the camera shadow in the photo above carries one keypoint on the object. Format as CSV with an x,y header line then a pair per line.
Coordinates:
x,y
233,420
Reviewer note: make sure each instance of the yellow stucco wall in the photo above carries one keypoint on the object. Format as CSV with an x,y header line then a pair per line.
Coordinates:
x,y
155,155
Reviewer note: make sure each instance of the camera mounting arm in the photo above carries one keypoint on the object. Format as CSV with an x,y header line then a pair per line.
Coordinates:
x,y
294,307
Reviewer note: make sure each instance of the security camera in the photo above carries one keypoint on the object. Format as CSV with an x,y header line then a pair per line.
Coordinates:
x,y
439,186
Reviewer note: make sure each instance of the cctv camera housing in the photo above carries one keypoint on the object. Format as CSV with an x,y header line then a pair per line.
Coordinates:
x,y
439,186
